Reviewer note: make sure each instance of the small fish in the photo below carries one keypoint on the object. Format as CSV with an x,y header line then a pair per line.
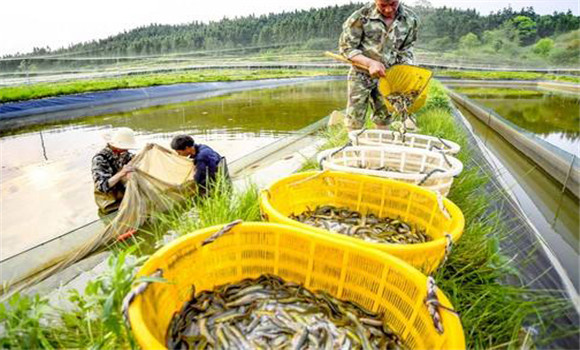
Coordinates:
x,y
368,227
268,312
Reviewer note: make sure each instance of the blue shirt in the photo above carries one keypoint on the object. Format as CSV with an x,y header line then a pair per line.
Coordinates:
x,y
206,162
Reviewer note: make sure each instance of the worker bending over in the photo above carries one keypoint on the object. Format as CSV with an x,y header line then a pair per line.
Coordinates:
x,y
208,163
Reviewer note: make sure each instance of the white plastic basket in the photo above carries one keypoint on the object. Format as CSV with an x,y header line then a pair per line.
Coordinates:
x,y
393,138
429,169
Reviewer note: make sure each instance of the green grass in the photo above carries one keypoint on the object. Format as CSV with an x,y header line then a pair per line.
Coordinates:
x,y
40,90
223,206
490,92
480,75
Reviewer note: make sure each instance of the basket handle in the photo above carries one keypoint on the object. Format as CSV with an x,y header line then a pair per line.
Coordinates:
x,y
433,305
448,248
443,142
348,144
363,130
429,174
227,228
140,289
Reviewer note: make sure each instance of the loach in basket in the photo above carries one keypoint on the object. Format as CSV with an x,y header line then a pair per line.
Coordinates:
x,y
211,257
395,138
442,220
406,79
428,169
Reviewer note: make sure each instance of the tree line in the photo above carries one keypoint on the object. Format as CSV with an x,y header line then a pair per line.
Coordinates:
x,y
314,28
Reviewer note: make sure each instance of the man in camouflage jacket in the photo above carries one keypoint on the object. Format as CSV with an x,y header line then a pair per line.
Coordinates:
x,y
379,35
110,169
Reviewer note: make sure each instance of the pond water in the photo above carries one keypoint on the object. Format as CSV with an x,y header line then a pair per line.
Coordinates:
x,y
46,182
551,116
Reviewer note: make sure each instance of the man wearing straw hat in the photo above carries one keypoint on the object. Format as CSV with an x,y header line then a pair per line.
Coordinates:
x,y
378,36
111,170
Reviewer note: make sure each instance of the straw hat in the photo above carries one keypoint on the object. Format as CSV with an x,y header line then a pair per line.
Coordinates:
x,y
122,138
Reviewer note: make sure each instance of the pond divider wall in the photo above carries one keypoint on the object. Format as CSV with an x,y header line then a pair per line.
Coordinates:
x,y
537,265
559,164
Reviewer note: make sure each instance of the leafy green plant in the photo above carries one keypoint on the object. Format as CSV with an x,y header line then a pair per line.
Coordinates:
x,y
543,47
97,319
469,41
21,323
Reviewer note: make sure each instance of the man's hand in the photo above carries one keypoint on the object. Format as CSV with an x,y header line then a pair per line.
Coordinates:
x,y
377,69
126,171
122,175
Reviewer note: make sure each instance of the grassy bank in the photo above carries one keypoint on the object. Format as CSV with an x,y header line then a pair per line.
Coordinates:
x,y
481,75
493,314
33,91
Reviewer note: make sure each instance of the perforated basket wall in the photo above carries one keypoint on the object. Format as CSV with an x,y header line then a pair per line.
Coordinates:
x,y
367,194
375,280
393,138
428,169
402,78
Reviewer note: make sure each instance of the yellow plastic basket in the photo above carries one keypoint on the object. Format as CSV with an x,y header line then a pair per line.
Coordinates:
x,y
368,194
405,79
375,280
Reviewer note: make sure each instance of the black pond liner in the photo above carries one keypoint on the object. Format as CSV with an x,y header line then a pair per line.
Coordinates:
x,y
535,268
14,115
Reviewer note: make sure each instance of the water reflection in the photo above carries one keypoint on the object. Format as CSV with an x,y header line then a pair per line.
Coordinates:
x,y
553,117
553,212
46,183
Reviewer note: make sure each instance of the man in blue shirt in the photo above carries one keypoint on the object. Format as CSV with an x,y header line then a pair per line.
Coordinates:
x,y
207,161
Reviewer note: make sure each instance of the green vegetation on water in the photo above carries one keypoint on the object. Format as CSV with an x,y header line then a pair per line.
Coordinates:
x,y
493,314
496,75
493,92
541,112
27,92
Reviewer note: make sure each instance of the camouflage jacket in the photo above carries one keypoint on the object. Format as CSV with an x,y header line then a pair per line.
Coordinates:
x,y
365,32
105,164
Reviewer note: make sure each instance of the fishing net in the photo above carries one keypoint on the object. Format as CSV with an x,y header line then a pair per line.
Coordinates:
x,y
160,180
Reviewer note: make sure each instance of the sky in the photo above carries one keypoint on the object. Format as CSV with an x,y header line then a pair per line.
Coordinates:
x,y
25,24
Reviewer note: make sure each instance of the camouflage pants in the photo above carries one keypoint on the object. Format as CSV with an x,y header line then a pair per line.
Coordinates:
x,y
362,92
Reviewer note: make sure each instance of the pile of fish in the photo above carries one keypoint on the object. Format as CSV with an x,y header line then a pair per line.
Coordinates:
x,y
270,313
368,227
401,103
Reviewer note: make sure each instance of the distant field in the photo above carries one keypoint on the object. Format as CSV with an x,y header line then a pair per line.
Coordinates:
x,y
41,90
34,91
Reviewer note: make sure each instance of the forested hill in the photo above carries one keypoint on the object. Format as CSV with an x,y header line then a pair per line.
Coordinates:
x,y
318,28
